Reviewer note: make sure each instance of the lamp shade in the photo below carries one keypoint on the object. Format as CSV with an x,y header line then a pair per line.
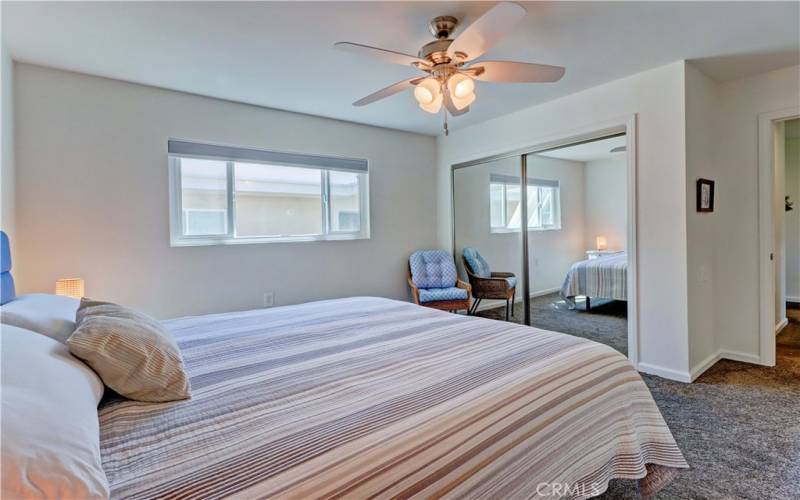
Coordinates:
x,y
602,244
428,94
462,90
70,287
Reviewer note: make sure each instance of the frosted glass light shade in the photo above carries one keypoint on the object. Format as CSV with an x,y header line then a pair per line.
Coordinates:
x,y
461,89
460,86
602,244
462,102
428,94
70,287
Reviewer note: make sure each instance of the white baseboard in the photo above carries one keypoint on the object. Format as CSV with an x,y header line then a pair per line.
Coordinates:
x,y
740,356
669,373
707,363
781,325
704,365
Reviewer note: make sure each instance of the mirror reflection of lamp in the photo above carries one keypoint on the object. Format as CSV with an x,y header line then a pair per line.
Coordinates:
x,y
70,287
602,244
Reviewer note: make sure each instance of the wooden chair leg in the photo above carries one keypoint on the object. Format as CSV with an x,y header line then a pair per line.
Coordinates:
x,y
588,303
506,309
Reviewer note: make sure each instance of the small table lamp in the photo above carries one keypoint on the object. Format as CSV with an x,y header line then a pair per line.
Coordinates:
x,y
601,243
71,287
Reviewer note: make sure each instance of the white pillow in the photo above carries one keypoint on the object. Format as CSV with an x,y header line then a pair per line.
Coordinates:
x,y
50,315
50,432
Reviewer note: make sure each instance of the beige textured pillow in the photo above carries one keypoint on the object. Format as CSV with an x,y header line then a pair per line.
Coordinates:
x,y
132,352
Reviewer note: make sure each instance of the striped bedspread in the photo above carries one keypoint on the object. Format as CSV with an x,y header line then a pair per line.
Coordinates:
x,y
368,397
605,277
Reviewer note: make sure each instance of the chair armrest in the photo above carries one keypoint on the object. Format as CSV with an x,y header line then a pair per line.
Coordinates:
x,y
414,290
502,275
463,284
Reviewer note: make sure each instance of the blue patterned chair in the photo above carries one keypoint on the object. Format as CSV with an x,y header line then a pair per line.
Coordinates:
x,y
434,281
7,292
487,284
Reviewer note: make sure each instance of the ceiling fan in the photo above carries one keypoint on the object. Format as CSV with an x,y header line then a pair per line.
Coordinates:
x,y
450,66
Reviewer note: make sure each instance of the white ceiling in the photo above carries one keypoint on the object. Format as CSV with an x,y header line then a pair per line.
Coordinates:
x,y
280,55
588,151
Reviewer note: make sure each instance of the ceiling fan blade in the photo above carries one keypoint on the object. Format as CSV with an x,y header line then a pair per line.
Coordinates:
x,y
384,54
510,72
388,91
479,36
451,108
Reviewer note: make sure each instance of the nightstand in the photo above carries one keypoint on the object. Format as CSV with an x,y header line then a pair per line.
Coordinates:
x,y
593,254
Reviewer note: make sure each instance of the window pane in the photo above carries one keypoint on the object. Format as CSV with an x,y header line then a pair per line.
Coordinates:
x,y
534,213
204,197
547,203
344,201
496,205
513,208
277,201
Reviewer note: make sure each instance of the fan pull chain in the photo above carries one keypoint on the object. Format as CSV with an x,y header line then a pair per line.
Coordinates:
x,y
446,132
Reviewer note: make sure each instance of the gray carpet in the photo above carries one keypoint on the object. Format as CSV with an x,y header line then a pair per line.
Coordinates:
x,y
738,425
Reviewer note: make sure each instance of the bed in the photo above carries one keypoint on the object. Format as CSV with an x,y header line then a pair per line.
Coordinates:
x,y
365,397
605,277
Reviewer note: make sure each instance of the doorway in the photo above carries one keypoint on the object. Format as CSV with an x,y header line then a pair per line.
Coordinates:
x,y
774,270
575,240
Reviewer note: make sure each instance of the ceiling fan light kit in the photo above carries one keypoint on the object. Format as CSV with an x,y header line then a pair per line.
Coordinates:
x,y
451,66
428,94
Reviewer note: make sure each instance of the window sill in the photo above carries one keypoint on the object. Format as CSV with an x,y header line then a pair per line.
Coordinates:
x,y
200,241
530,230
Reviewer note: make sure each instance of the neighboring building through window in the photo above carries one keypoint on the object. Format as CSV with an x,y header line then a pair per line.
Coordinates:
x,y
223,195
505,197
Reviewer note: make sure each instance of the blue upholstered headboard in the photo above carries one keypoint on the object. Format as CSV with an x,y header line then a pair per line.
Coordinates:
x,y
7,291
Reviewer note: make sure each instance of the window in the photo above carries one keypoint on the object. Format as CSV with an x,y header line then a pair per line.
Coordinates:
x,y
544,211
222,195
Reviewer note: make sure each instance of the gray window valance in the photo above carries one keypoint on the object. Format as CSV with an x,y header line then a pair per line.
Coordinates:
x,y
218,152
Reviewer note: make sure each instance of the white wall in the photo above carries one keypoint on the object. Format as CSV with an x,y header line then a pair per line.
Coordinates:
x,y
657,97
7,178
552,252
735,258
92,199
606,204
701,126
792,219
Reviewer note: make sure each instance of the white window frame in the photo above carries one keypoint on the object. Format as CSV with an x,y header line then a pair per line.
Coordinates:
x,y
540,185
249,155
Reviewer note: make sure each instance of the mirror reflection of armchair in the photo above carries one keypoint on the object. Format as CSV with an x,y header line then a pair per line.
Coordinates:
x,y
487,284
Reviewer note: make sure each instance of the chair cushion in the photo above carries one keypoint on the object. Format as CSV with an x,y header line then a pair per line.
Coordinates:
x,y
477,263
437,294
512,282
433,269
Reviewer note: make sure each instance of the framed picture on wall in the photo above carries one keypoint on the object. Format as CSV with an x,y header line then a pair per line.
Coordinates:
x,y
705,195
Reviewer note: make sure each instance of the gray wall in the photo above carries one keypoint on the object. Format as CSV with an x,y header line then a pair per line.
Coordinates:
x,y
92,199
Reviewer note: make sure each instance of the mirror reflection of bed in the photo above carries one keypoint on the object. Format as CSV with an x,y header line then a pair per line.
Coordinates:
x,y
577,231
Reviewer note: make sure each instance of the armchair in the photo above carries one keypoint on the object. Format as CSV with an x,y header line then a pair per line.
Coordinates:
x,y
434,281
487,284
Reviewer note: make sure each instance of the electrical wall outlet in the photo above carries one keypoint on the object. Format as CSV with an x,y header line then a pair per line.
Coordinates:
x,y
269,299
